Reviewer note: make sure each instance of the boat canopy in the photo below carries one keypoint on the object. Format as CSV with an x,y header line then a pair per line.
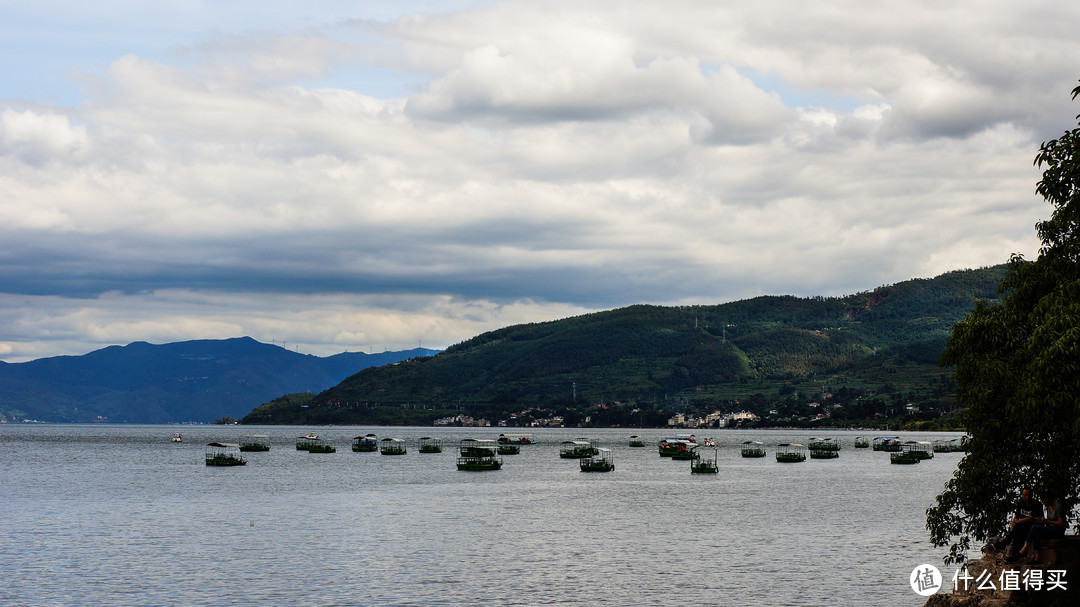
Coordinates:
x,y
223,445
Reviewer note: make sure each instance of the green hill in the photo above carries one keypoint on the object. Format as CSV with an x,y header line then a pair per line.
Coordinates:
x,y
861,357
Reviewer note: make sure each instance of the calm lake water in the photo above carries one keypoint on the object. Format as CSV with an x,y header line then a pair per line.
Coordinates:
x,y
120,515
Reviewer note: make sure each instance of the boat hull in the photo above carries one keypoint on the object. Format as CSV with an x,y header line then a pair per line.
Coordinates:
x,y
225,461
478,465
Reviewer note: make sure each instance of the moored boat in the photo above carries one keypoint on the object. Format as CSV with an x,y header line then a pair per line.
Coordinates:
x,y
635,441
224,454
905,455
704,465
429,445
824,448
576,449
368,443
255,442
752,448
689,451
675,446
601,462
509,449
478,454
920,449
668,444
392,446
948,446
823,444
177,437
515,439
887,443
318,445
861,442
303,443
790,452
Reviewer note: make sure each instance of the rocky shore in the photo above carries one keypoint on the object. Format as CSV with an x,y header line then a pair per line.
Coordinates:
x,y
992,581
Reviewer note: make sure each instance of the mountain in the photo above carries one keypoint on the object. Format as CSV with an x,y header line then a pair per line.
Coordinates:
x,y
191,381
863,355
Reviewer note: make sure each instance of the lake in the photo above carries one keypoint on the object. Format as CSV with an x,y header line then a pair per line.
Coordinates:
x,y
120,515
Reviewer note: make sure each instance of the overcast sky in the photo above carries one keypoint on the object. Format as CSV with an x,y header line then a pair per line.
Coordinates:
x,y
359,175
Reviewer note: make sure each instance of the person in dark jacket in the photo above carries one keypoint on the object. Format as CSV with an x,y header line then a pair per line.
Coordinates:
x,y
1028,512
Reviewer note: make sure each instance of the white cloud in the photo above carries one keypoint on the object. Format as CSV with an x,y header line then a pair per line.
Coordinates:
x,y
322,324
557,158
36,138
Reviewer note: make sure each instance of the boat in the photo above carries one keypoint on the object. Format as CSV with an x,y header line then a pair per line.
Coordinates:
x,y
906,454
255,442
689,452
920,449
367,443
177,437
790,452
224,454
861,442
318,445
635,441
823,444
429,445
704,465
753,448
601,462
509,448
576,449
392,446
709,442
669,446
948,446
478,454
303,442
887,443
823,448
515,439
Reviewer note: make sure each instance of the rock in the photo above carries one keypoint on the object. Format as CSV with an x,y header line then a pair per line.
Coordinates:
x,y
994,582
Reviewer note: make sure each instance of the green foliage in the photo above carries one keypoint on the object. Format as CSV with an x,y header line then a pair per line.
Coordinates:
x,y
1018,370
289,406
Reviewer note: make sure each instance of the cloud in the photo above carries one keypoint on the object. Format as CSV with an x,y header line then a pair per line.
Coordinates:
x,y
322,324
557,158
36,138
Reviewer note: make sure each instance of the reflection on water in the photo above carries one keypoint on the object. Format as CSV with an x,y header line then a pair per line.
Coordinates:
x,y
120,515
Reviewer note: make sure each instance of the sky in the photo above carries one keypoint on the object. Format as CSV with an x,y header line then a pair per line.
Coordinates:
x,y
365,176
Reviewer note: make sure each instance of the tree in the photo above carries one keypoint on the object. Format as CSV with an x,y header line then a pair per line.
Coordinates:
x,y
1017,368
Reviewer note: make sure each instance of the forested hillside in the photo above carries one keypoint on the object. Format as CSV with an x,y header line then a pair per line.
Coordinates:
x,y
866,356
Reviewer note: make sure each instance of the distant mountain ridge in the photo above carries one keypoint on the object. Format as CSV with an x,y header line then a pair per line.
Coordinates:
x,y
877,350
190,381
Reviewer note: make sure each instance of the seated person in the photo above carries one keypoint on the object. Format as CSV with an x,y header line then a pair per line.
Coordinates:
x,y
1028,512
1053,526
